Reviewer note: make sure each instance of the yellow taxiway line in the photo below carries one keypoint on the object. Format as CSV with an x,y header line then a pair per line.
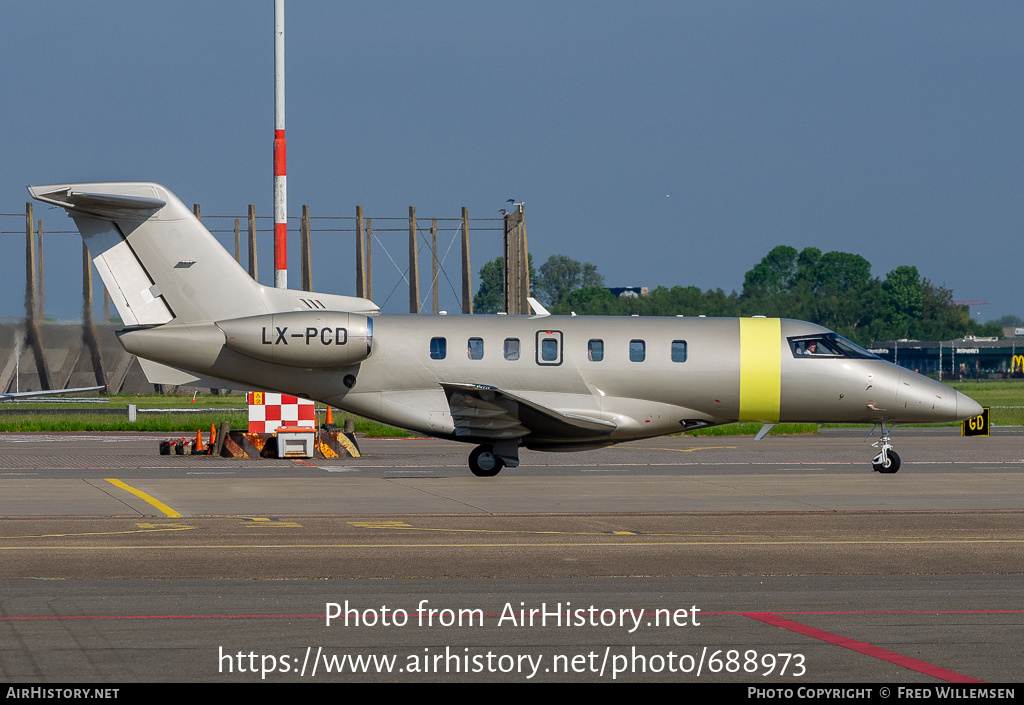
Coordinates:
x,y
168,512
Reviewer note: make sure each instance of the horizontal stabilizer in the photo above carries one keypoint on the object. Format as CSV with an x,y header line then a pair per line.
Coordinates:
x,y
101,205
488,413
158,373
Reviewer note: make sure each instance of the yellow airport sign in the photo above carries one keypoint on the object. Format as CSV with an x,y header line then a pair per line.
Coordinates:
x,y
976,425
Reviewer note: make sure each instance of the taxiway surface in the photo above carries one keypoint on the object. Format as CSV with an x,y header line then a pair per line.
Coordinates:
x,y
118,565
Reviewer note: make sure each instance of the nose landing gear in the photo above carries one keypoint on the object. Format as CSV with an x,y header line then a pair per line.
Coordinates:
x,y
887,461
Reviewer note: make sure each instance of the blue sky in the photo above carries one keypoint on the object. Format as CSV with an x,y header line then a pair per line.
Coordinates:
x,y
666,142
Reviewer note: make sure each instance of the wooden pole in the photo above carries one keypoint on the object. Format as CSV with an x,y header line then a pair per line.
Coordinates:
x,y
88,325
360,255
508,265
30,264
369,258
511,265
238,242
42,279
517,270
467,288
433,272
414,266
33,335
86,285
253,270
525,255
307,253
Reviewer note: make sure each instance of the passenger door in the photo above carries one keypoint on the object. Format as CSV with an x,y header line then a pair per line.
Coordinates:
x,y
549,347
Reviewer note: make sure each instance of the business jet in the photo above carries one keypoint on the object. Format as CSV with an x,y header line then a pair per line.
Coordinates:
x,y
193,316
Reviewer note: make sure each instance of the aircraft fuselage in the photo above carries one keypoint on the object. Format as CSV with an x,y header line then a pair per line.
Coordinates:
x,y
647,376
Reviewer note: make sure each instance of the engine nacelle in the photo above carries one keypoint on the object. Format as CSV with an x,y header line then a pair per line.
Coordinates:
x,y
301,338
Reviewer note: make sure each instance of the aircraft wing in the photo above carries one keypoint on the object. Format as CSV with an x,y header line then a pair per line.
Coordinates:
x,y
484,412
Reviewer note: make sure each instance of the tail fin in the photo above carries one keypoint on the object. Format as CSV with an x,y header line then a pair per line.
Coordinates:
x,y
158,261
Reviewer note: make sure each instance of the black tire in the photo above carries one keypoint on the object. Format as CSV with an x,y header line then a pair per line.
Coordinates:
x,y
484,463
892,465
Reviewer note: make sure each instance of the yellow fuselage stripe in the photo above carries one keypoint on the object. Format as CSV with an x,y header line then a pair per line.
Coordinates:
x,y
760,369
145,497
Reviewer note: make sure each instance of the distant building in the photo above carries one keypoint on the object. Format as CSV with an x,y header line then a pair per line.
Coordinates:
x,y
629,292
1013,332
965,358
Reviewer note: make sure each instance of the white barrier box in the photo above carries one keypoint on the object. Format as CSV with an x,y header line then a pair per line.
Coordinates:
x,y
295,442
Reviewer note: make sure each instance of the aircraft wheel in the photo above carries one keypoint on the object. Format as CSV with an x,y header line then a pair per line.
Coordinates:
x,y
484,463
891,465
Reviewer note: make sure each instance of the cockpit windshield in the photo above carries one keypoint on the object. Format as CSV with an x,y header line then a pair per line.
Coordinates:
x,y
827,345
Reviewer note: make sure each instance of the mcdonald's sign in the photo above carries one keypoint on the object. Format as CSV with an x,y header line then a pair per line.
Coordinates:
x,y
1017,363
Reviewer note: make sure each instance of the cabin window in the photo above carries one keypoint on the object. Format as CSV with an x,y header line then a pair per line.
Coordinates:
x,y
475,348
549,350
511,348
438,348
637,350
678,351
595,350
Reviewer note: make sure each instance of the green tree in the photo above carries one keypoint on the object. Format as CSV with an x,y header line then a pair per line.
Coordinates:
x,y
834,289
490,295
560,275
808,261
1005,321
677,301
590,301
840,288
902,302
774,274
941,319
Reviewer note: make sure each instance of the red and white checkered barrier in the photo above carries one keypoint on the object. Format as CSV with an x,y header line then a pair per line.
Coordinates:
x,y
268,411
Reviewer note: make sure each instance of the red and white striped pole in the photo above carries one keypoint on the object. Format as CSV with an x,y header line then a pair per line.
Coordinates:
x,y
280,179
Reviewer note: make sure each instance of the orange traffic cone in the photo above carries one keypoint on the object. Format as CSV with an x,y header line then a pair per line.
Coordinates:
x,y
198,447
213,434
330,417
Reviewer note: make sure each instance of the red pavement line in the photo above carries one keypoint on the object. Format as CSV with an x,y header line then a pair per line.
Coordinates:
x,y
889,612
905,661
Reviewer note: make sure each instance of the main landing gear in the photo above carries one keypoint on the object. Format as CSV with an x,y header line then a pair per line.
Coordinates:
x,y
887,461
484,463
488,460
